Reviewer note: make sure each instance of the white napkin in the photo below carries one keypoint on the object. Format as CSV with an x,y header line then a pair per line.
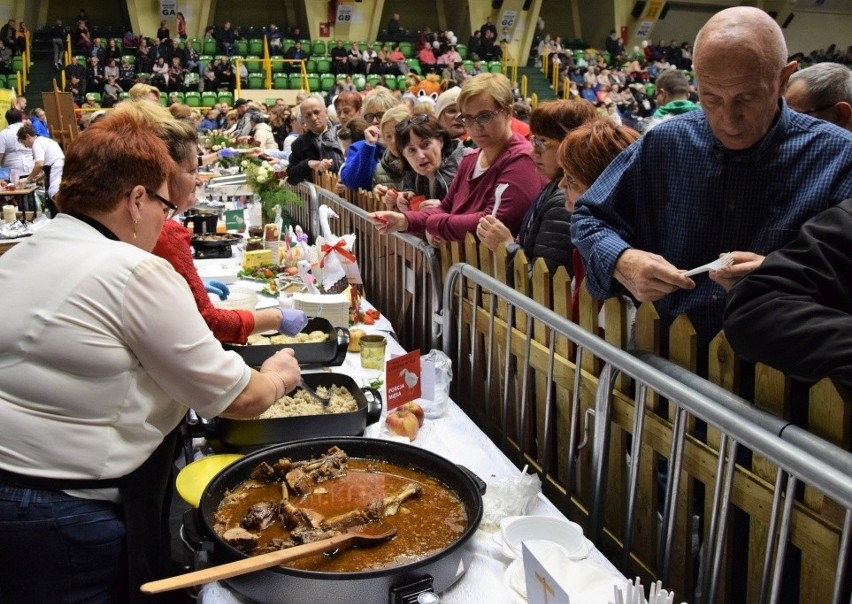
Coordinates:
x,y
585,582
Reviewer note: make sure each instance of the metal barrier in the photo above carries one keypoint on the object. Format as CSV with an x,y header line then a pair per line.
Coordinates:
x,y
653,423
401,273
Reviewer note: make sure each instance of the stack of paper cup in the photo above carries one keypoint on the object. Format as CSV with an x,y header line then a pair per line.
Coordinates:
x,y
9,213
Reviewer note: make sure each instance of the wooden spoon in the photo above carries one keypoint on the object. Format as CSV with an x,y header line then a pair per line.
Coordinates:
x,y
254,563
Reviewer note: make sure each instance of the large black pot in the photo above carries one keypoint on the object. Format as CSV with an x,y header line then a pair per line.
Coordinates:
x,y
264,432
436,572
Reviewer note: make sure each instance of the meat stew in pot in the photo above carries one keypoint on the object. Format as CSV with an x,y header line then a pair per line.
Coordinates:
x,y
293,502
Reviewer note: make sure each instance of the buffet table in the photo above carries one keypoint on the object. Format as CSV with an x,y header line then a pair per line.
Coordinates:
x,y
457,438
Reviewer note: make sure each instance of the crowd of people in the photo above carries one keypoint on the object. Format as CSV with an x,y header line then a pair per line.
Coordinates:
x,y
761,170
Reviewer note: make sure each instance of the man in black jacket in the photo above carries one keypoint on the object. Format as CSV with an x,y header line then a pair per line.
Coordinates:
x,y
316,149
794,312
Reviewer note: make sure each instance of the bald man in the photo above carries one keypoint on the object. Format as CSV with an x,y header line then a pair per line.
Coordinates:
x,y
741,176
318,148
823,91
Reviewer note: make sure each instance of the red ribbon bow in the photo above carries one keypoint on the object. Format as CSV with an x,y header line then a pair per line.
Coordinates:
x,y
340,248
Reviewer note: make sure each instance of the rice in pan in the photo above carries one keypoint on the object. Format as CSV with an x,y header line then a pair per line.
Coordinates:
x,y
302,403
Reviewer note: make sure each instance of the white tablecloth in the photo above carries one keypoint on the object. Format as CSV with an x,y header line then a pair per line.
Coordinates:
x,y
456,437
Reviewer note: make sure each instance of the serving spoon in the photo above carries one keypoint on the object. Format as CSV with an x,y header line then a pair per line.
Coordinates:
x,y
325,400
254,563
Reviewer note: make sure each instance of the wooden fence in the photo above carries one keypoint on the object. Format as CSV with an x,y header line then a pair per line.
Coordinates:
x,y
511,406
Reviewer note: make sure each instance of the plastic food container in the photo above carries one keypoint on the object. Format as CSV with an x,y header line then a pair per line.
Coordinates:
x,y
373,352
239,299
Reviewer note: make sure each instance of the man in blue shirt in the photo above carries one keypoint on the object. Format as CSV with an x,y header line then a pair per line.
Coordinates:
x,y
741,176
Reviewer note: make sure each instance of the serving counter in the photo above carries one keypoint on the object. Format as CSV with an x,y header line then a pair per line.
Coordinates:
x,y
453,436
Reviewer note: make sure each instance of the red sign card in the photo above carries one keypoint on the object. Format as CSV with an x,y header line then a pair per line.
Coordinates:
x,y
415,202
402,379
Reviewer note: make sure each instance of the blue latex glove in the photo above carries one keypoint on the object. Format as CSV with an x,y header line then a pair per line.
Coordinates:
x,y
292,321
228,152
218,288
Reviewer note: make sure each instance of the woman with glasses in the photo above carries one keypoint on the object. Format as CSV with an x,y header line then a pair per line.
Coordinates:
x,y
364,156
502,158
546,228
173,242
101,355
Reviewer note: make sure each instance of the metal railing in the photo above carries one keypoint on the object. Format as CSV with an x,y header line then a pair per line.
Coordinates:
x,y
666,400
401,273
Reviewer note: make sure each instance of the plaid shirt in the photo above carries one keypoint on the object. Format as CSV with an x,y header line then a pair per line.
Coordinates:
x,y
678,193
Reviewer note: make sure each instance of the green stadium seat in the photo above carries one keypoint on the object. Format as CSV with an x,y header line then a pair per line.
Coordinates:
x,y
401,82
318,48
414,65
313,82
126,95
287,44
311,66
2,81
326,82
406,49
203,60
80,60
306,46
495,67
209,98
372,80
209,47
164,99
462,50
362,45
295,81
17,63
12,81
390,82
197,44
468,65
256,46
130,59
180,96
242,47
193,99
253,63
280,81
323,65
226,96
256,80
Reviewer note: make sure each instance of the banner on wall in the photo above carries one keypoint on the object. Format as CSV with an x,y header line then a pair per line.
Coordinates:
x,y
168,8
508,18
344,14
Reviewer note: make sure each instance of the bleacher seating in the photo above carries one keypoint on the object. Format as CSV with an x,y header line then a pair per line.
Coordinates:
x,y
193,99
256,79
226,96
209,98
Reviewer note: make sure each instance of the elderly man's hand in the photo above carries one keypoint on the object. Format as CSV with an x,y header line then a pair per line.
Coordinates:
x,y
492,232
744,263
648,276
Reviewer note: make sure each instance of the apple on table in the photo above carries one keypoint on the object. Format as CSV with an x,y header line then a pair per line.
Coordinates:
x,y
406,420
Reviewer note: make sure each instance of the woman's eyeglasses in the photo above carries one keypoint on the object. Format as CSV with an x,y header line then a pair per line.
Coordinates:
x,y
482,119
374,117
169,208
412,121
540,143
